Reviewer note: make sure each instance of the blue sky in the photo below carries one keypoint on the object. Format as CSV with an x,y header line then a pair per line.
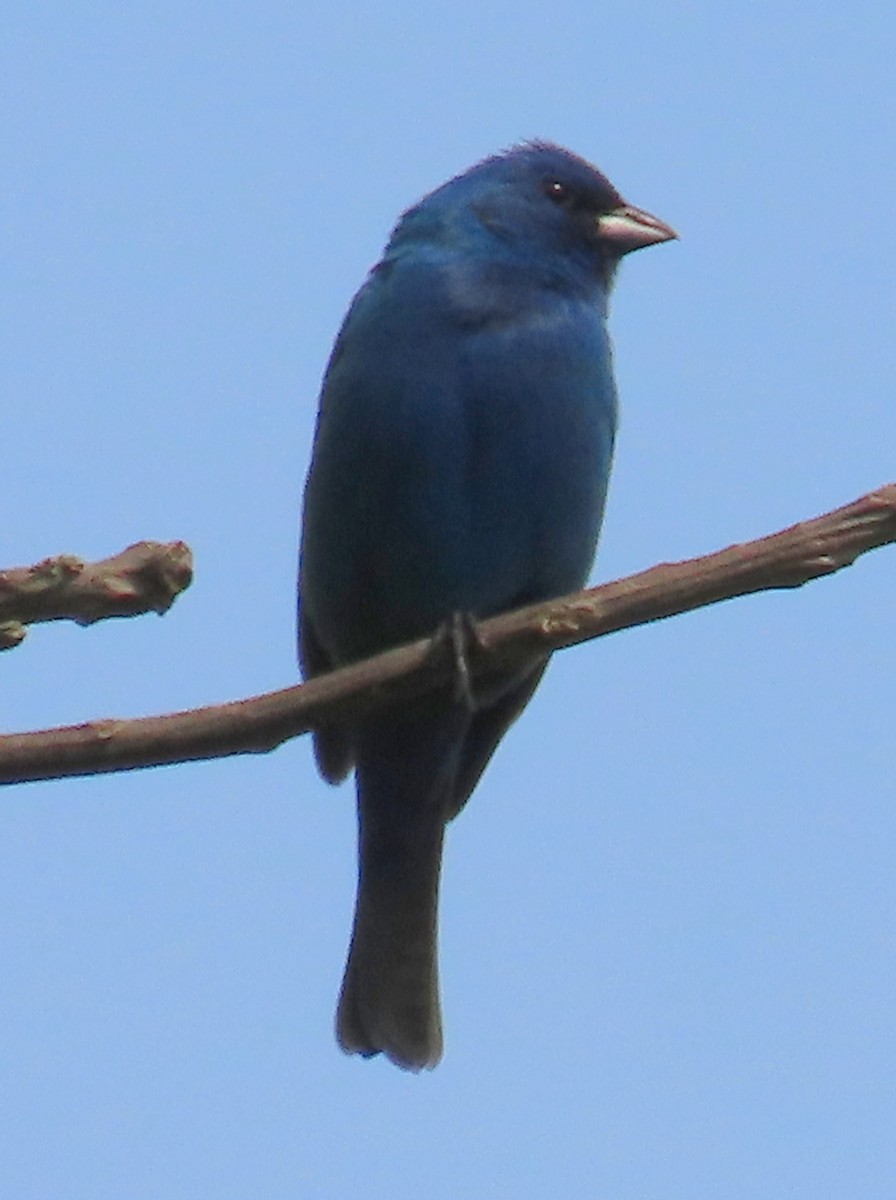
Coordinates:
x,y
668,913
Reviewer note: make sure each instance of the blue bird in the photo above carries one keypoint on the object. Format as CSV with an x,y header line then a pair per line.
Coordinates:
x,y
460,466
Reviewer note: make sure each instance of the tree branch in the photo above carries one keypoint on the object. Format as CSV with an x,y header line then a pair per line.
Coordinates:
x,y
146,577
787,559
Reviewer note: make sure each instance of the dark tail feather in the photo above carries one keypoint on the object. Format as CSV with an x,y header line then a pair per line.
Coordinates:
x,y
407,768
390,993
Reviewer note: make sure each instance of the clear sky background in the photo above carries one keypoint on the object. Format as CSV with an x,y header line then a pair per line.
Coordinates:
x,y
668,913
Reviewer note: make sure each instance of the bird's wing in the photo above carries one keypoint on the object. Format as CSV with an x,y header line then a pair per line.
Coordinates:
x,y
332,746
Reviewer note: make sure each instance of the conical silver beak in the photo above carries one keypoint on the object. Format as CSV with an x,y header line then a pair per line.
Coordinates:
x,y
628,228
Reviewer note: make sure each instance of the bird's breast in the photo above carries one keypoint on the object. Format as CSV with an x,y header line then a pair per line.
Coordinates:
x,y
461,464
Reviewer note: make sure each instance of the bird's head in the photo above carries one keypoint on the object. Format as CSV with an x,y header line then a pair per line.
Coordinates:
x,y
533,200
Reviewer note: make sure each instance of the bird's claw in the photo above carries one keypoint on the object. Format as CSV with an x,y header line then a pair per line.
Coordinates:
x,y
459,635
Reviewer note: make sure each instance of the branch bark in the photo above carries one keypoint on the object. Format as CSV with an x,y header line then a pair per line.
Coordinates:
x,y
146,577
787,559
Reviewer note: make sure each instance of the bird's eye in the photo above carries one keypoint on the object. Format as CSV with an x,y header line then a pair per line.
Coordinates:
x,y
557,191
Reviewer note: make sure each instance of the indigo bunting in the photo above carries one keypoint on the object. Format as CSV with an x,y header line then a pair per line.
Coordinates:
x,y
460,465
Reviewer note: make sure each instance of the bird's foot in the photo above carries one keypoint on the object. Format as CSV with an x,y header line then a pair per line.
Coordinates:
x,y
459,638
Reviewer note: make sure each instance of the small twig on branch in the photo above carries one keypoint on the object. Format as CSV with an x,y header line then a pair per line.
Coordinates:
x,y
782,560
145,577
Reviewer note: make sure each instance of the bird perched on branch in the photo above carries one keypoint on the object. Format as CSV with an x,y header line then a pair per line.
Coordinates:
x,y
460,466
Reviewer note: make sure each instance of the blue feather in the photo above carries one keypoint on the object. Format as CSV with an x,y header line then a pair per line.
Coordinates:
x,y
461,461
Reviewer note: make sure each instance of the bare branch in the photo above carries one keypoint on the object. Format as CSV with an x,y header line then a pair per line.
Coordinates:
x,y
146,577
782,560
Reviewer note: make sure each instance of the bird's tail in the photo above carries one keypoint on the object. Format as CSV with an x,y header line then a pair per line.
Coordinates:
x,y
407,766
390,993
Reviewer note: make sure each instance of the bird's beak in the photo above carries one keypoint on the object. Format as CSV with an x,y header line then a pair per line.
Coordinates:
x,y
627,228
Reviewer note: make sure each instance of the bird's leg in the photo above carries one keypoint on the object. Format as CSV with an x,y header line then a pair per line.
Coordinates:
x,y
463,636
459,636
